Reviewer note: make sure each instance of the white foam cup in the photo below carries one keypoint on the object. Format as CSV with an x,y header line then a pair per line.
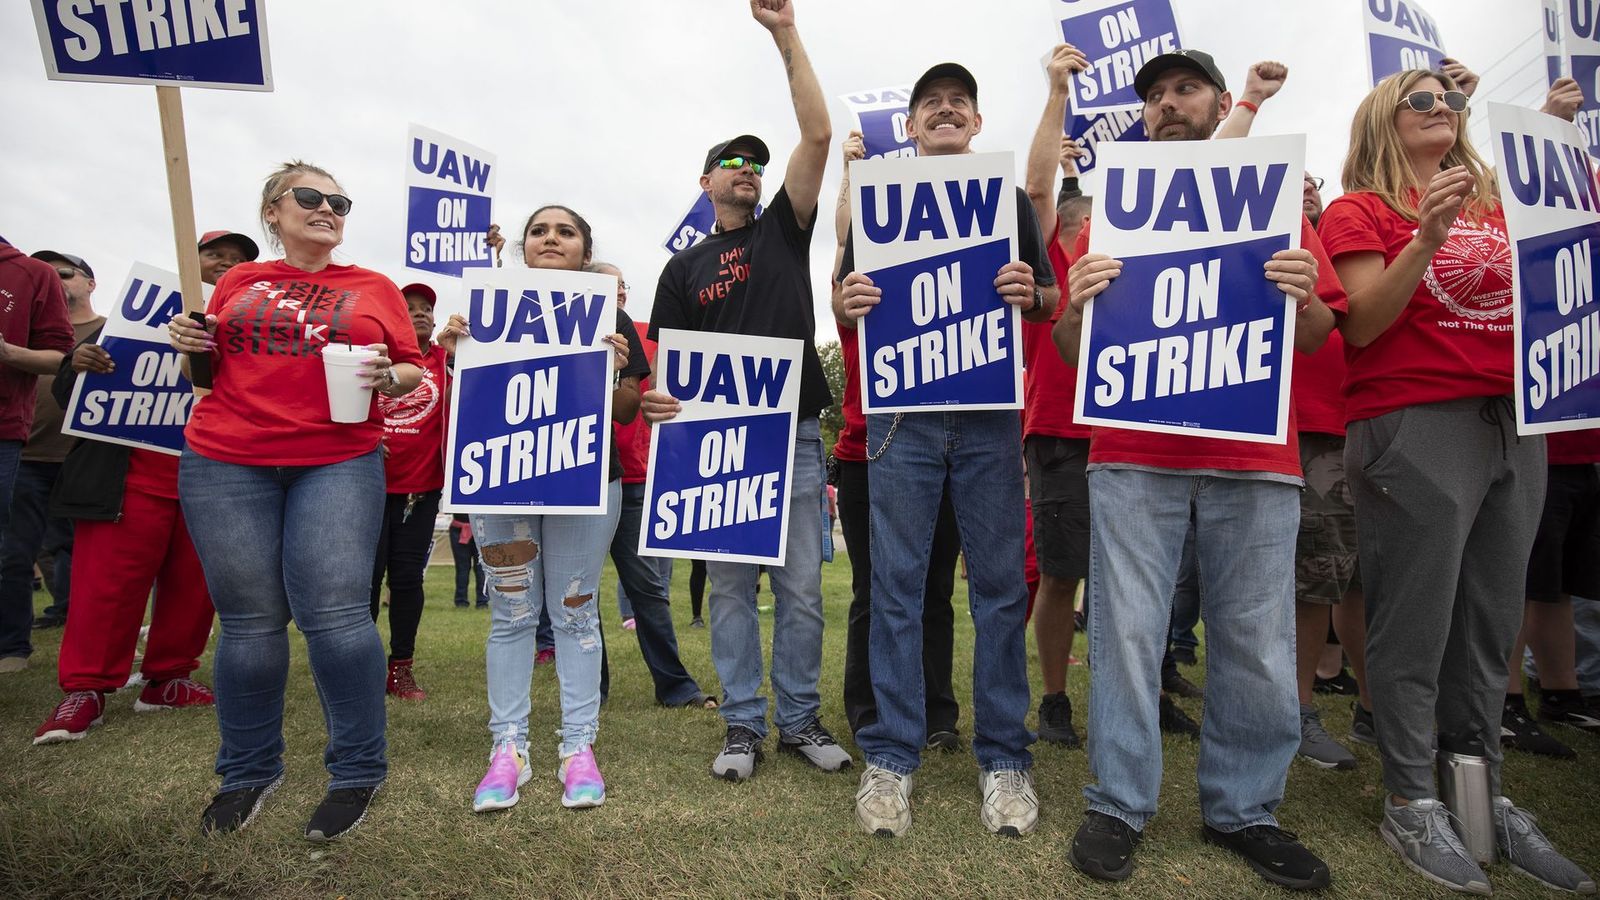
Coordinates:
x,y
349,397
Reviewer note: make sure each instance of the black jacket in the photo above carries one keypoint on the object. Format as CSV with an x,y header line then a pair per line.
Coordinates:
x,y
93,476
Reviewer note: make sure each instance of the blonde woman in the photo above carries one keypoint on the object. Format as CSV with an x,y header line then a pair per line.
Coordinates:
x,y
1447,495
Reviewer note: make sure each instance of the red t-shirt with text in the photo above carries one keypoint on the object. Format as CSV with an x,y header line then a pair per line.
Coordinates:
x,y
1049,385
633,439
269,400
413,429
1181,451
1453,339
852,443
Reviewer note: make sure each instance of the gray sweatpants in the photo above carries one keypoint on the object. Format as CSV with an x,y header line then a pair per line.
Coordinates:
x,y
1447,504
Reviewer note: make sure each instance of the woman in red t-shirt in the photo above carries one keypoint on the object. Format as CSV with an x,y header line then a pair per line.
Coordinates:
x,y
284,504
1447,495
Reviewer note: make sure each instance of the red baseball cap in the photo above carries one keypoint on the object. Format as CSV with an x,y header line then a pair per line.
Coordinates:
x,y
251,251
422,291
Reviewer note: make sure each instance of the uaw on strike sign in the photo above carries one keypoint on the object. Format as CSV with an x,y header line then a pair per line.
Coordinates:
x,y
145,402
933,232
449,199
1118,37
1191,337
1552,209
178,43
530,412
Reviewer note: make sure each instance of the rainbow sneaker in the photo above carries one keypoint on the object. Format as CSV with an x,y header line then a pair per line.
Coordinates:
x,y
508,770
584,787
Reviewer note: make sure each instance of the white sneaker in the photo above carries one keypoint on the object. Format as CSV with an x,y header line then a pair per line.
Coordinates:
x,y
883,803
1010,806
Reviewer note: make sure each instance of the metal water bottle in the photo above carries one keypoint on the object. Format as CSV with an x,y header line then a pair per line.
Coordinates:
x,y
1464,788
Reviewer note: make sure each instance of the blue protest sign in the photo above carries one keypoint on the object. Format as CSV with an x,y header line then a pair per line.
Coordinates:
x,y
1191,337
1118,37
146,401
1400,36
719,476
1092,131
1550,25
695,225
880,116
932,233
198,43
1552,208
449,199
1580,42
530,415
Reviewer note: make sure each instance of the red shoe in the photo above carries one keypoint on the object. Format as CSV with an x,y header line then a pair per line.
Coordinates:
x,y
402,683
544,657
73,717
173,693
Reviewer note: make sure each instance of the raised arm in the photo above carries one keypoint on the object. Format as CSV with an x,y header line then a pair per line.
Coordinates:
x,y
1045,150
854,148
1260,84
802,177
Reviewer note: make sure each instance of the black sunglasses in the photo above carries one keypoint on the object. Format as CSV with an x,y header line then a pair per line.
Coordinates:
x,y
1423,101
67,274
311,198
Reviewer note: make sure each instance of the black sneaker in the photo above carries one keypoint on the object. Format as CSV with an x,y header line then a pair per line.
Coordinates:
x,y
1183,687
1275,854
1343,684
1519,732
1103,847
944,741
231,811
1055,720
1184,656
1175,721
1569,708
340,811
48,620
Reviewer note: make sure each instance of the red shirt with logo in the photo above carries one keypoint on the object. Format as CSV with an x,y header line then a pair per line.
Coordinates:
x,y
413,429
852,443
269,400
1453,339
1573,448
1180,451
633,439
1049,385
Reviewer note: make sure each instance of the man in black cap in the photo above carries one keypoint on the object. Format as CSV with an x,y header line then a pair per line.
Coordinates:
x,y
1242,500
752,276
978,456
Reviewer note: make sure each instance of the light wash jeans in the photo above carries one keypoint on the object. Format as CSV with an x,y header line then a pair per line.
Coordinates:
x,y
1244,545
797,619
979,454
550,562
280,543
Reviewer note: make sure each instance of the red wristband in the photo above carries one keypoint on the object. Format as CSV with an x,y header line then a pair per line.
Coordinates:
x,y
1248,105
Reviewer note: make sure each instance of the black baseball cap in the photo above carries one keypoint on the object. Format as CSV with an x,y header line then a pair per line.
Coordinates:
x,y
944,70
1196,60
754,148
52,256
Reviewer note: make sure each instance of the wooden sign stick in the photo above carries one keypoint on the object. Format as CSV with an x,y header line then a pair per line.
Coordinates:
x,y
181,194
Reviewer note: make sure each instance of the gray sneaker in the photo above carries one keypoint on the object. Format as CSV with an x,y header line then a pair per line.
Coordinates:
x,y
1528,851
1423,836
1010,806
1317,748
883,802
740,750
813,742
1362,728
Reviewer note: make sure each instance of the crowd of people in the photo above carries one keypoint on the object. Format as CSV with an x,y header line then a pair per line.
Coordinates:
x,y
1405,527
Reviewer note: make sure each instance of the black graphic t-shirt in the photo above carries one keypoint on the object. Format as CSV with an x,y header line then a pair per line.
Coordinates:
x,y
754,280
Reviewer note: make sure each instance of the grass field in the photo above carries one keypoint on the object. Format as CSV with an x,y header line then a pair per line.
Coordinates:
x,y
115,815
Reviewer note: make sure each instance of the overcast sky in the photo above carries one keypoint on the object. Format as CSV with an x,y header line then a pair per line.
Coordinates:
x,y
608,106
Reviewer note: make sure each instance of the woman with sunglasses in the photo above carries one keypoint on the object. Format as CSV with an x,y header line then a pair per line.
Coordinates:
x,y
284,504
533,562
1447,495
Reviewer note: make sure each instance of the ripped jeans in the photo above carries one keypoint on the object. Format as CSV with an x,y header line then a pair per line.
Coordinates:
x,y
554,561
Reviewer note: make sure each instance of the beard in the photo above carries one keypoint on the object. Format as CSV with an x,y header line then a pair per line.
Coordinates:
x,y
1192,129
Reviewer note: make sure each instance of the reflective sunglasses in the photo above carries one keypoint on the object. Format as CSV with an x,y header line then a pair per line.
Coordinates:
x,y
1423,101
311,198
67,274
739,162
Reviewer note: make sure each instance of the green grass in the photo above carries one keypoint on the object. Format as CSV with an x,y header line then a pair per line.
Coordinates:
x,y
115,815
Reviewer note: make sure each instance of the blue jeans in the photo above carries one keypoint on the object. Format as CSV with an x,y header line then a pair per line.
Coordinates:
x,y
1586,622
552,563
1244,546
291,542
643,584
30,531
978,455
797,617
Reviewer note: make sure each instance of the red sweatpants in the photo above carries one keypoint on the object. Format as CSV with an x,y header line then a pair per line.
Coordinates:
x,y
113,566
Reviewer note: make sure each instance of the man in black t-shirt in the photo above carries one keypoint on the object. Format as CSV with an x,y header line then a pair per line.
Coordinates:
x,y
977,456
752,276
